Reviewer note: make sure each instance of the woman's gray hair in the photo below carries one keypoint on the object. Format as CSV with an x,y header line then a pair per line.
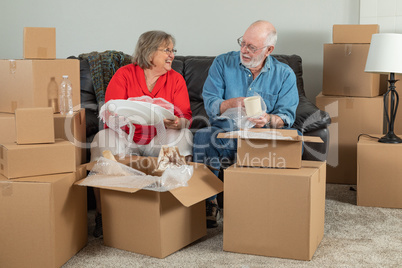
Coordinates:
x,y
148,43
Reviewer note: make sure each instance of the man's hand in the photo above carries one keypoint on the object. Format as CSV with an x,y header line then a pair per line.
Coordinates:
x,y
232,103
177,123
273,120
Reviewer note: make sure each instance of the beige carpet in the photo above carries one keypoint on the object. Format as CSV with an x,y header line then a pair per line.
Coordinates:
x,y
354,237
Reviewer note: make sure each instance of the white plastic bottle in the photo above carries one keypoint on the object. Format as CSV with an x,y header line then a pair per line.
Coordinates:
x,y
66,96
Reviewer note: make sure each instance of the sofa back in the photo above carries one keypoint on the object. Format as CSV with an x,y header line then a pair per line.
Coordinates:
x,y
194,70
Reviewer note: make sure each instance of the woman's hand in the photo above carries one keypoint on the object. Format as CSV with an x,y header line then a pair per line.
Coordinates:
x,y
177,123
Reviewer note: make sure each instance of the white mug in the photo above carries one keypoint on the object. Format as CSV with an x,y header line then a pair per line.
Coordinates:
x,y
253,105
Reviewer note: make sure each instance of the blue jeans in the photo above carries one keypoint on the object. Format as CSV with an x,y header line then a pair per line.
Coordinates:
x,y
215,152
212,151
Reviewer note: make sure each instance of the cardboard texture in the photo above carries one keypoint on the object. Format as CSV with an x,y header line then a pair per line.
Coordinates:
x,y
379,173
255,150
34,125
43,220
7,128
274,212
39,43
343,72
68,128
35,83
18,161
157,223
354,33
350,117
73,129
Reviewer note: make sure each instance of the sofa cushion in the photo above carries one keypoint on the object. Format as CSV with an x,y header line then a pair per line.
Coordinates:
x,y
195,73
295,62
178,64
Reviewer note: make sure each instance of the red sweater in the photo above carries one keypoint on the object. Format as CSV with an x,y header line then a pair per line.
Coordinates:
x,y
129,81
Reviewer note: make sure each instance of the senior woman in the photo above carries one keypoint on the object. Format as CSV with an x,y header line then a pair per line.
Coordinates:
x,y
151,75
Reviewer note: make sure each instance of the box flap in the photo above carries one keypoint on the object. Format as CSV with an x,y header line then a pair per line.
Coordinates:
x,y
314,164
39,179
202,185
290,135
120,189
311,139
303,171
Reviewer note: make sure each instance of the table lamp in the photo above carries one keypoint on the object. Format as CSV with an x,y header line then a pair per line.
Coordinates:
x,y
385,57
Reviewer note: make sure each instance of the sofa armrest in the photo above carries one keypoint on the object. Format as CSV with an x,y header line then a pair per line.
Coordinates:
x,y
309,117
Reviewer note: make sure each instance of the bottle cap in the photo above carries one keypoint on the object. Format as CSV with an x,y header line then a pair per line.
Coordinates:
x,y
65,76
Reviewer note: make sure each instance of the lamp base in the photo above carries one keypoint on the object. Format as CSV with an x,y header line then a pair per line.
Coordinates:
x,y
390,138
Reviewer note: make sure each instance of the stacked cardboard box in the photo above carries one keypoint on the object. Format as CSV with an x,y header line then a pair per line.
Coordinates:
x,y
274,201
42,213
379,176
351,97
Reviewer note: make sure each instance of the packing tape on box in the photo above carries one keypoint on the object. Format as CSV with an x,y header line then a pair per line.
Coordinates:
x,y
6,189
13,66
348,49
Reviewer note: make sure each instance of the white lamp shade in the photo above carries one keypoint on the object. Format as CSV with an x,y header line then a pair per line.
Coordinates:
x,y
385,54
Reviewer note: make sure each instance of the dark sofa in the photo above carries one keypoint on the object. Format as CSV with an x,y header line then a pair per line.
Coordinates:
x,y
309,119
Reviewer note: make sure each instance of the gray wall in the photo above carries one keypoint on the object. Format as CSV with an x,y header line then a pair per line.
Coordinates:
x,y
208,27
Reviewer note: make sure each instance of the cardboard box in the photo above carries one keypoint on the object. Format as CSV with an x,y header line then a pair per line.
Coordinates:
x,y
279,148
43,220
34,125
343,72
39,43
18,161
274,212
350,117
354,33
73,129
35,83
157,223
68,128
7,128
379,174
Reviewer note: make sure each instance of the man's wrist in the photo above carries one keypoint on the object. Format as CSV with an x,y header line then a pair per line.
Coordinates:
x,y
269,120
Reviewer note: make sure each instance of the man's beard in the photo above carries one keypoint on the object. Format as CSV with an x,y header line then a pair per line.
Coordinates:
x,y
254,62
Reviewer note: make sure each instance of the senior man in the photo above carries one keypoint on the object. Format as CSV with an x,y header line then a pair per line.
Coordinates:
x,y
233,77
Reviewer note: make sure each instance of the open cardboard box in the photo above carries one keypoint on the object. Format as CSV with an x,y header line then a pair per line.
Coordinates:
x,y
156,223
277,148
